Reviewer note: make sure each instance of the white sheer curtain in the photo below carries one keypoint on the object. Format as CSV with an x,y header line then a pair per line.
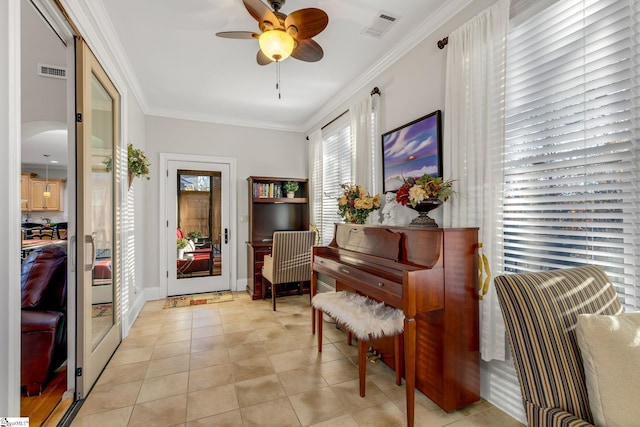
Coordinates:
x,y
365,160
473,146
360,115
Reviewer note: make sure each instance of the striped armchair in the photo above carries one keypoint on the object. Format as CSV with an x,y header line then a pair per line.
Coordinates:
x,y
289,262
540,311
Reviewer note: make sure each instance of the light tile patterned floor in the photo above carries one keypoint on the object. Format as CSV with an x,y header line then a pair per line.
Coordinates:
x,y
241,364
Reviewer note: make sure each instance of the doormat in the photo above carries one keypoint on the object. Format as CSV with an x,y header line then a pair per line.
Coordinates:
x,y
197,299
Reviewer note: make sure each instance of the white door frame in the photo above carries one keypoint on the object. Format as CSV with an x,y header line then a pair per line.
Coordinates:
x,y
162,232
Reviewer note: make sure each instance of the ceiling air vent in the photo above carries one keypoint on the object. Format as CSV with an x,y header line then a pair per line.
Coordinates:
x,y
380,24
52,71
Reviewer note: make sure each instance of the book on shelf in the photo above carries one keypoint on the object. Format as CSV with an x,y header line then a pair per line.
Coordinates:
x,y
263,190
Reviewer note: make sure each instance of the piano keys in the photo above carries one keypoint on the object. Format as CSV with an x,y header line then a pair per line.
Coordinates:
x,y
432,275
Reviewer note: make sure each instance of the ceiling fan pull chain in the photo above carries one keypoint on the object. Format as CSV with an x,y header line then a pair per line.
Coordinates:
x,y
278,79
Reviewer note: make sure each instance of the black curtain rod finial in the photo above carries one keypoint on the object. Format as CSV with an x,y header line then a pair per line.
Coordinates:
x,y
442,43
374,91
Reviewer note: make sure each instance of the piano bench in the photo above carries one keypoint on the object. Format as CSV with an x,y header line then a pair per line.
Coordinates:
x,y
366,319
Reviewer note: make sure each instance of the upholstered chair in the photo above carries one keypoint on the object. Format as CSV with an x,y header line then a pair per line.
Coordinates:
x,y
43,325
289,262
541,311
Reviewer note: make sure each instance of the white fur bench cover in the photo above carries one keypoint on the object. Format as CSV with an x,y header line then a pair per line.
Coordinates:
x,y
364,317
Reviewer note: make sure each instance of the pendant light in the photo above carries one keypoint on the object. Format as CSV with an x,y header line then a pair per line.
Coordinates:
x,y
47,192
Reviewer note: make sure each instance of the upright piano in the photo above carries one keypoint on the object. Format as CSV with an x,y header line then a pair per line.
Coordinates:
x,y
432,275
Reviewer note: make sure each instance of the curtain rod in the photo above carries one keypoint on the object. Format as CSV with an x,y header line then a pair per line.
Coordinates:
x,y
374,91
442,43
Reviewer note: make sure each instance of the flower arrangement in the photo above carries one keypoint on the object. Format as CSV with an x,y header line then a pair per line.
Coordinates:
x,y
137,162
356,204
415,190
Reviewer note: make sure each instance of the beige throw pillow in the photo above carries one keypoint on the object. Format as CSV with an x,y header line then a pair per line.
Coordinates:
x,y
610,348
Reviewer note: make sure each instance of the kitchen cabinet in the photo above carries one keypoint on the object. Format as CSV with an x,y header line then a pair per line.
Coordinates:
x,y
25,187
39,203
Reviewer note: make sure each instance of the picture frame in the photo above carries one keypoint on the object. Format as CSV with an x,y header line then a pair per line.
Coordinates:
x,y
412,150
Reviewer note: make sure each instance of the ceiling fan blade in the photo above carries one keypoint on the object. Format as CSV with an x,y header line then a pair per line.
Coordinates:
x,y
238,35
261,12
308,51
308,22
263,59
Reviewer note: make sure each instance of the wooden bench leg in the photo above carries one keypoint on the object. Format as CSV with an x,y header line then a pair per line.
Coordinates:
x,y
397,354
362,365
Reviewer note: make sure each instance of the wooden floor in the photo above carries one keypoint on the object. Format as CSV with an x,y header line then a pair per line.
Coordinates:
x,y
39,408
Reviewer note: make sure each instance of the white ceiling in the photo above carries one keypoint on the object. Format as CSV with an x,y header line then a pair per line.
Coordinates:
x,y
178,68
183,70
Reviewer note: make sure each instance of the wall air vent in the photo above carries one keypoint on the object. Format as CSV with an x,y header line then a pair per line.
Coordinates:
x,y
45,70
380,24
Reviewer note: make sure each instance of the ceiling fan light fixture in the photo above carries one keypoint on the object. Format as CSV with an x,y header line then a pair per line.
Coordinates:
x,y
276,44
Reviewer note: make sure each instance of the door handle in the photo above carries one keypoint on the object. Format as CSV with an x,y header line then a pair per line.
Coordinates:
x,y
226,236
91,238
72,250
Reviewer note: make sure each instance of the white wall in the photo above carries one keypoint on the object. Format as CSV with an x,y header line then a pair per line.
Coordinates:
x,y
135,213
257,151
414,86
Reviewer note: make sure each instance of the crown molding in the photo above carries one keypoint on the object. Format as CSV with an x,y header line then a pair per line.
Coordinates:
x,y
101,17
96,28
222,120
417,35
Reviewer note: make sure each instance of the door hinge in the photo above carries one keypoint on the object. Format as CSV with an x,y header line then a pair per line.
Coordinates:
x,y
167,174
167,274
79,372
167,223
79,117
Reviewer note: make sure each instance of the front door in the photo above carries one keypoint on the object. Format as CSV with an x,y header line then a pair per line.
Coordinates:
x,y
198,227
98,136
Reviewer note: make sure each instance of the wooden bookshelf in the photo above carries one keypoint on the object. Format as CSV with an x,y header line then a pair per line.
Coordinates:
x,y
270,210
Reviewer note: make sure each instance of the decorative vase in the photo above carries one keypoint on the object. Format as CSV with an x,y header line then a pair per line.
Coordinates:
x,y
291,194
423,208
181,253
130,179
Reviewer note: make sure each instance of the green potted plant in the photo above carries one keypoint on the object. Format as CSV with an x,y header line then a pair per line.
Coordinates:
x,y
137,163
290,187
181,243
194,235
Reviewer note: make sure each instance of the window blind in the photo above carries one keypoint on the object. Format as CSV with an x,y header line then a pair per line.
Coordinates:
x,y
570,156
337,163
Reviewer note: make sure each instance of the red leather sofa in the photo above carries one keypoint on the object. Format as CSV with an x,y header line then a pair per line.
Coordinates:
x,y
44,331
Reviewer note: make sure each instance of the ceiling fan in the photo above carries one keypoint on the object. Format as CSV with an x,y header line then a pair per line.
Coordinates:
x,y
283,35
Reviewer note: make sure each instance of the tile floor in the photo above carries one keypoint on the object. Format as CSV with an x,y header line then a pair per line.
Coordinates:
x,y
241,364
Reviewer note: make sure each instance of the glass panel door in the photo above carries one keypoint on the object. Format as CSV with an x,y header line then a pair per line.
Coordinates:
x,y
98,219
198,207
